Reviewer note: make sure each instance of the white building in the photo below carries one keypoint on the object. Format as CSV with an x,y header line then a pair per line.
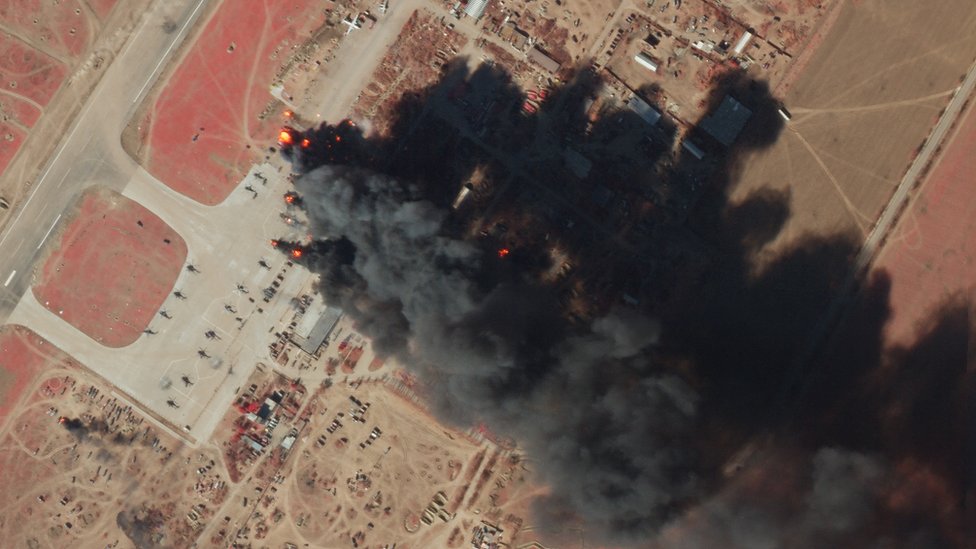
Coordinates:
x,y
645,61
740,46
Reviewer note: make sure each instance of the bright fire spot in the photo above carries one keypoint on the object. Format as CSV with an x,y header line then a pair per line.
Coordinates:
x,y
285,137
503,252
296,253
274,243
306,143
289,198
338,139
289,114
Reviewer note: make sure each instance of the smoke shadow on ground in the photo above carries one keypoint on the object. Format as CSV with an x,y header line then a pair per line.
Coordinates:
x,y
668,243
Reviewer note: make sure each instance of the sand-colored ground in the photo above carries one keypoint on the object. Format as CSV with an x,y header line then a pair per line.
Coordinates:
x,y
366,466
931,253
111,269
81,468
861,108
211,120
23,355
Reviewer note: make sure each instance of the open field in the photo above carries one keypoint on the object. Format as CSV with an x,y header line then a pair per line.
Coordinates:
x,y
931,253
12,137
211,120
23,355
83,469
29,76
861,109
63,28
114,265
29,79
102,7
364,466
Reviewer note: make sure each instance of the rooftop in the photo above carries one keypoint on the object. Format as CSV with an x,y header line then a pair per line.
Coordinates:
x,y
727,121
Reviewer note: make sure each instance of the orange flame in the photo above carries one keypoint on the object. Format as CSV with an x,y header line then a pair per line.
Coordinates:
x,y
285,137
306,143
503,252
296,253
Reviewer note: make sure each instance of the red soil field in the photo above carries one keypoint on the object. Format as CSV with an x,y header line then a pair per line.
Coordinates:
x,y
108,275
54,23
19,110
28,80
930,255
28,73
11,137
216,95
23,355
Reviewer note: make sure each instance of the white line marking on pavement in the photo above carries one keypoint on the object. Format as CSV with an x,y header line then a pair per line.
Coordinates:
x,y
9,278
166,53
49,231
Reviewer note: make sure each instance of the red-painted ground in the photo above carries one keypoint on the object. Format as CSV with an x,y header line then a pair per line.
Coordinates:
x,y
28,80
11,138
23,356
931,255
203,131
64,26
108,276
28,74
18,110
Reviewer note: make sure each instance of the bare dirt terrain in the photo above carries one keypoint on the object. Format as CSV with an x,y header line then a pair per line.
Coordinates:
x,y
83,469
930,254
364,466
29,78
404,70
861,109
111,269
23,356
211,120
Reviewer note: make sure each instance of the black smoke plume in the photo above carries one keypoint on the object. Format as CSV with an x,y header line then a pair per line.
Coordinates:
x,y
590,404
632,420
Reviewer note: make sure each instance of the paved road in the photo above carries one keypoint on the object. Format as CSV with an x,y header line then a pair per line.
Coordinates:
x,y
357,57
796,379
91,153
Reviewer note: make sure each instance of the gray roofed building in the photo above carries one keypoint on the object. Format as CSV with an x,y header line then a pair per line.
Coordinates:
x,y
727,121
476,8
648,113
540,58
320,331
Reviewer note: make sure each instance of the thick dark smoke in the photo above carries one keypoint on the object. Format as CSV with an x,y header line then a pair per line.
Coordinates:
x,y
635,426
611,430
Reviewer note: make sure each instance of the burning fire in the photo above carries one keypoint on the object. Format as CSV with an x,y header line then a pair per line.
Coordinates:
x,y
503,252
285,137
306,143
296,253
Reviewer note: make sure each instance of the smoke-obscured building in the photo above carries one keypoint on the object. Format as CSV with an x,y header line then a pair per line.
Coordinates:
x,y
315,326
727,121
647,113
